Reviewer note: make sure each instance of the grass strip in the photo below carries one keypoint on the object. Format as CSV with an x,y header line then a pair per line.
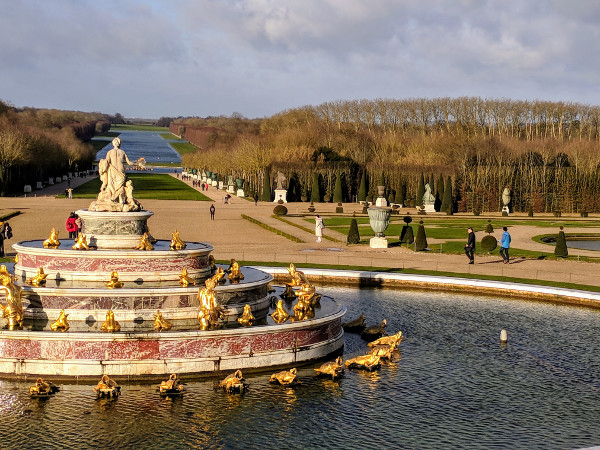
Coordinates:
x,y
9,215
308,230
170,137
147,186
271,229
138,127
183,147
580,287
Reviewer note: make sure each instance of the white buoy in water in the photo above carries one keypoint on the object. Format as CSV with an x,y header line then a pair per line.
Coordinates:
x,y
503,337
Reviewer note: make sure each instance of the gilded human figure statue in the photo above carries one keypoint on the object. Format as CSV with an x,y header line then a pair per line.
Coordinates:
x,y
209,312
116,192
13,310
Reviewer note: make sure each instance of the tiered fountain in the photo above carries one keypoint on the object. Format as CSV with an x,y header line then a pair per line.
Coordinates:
x,y
82,288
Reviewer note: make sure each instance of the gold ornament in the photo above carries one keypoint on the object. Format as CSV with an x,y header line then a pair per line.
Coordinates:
x,y
285,378
280,315
366,362
110,325
145,243
114,282
42,389
107,387
235,274
81,243
39,279
332,368
185,279
160,323
171,387
247,319
176,242
61,323
234,383
52,241
13,310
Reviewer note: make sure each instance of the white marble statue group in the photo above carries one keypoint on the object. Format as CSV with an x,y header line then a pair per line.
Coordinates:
x,y
116,192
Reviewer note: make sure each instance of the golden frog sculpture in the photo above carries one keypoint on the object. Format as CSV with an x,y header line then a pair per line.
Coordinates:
x,y
356,325
42,389
332,368
285,378
110,325
394,340
219,276
375,331
39,279
5,274
13,310
107,387
235,274
185,279
81,243
384,351
308,294
234,383
209,313
52,241
176,242
367,362
297,279
280,315
114,282
145,243
171,387
247,319
160,323
61,323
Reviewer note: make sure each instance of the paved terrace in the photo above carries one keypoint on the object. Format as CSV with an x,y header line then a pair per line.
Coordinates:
x,y
234,237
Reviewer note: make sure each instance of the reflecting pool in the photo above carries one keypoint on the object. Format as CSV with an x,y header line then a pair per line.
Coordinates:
x,y
144,144
454,386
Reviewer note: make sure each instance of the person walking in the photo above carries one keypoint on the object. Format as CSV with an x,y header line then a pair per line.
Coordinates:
x,y
505,245
319,227
212,212
470,247
255,199
2,226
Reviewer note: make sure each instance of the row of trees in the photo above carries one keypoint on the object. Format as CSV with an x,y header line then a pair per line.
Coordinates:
x,y
547,153
37,144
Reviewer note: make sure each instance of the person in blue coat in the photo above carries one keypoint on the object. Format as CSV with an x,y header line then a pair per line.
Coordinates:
x,y
505,245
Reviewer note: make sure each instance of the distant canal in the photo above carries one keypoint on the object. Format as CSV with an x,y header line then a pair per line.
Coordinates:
x,y
144,144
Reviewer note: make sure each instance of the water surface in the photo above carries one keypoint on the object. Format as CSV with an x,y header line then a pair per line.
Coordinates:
x,y
454,386
144,144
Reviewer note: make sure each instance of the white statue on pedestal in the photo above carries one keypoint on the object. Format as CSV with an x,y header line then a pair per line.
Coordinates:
x,y
116,192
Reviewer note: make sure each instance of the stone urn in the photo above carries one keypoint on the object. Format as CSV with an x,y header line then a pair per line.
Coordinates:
x,y
379,219
380,191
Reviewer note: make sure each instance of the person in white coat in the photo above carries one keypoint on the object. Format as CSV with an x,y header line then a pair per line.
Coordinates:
x,y
319,228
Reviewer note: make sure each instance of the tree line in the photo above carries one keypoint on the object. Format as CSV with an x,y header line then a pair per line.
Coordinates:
x,y
36,144
547,153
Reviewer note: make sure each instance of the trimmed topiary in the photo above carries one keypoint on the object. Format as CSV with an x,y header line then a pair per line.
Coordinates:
x,y
421,240
530,212
266,192
447,199
337,191
489,229
420,191
315,193
406,235
561,250
280,210
489,243
311,207
339,208
353,235
362,190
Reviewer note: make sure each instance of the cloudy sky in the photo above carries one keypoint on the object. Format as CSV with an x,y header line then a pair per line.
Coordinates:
x,y
152,58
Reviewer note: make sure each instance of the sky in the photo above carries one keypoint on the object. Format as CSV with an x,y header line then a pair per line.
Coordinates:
x,y
256,58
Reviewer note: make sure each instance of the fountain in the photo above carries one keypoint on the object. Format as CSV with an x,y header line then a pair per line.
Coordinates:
x,y
129,314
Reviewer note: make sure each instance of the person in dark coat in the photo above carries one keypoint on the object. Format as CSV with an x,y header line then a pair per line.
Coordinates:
x,y
470,247
212,212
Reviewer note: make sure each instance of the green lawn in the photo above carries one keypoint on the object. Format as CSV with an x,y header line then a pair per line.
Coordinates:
x,y
138,127
170,137
147,186
183,147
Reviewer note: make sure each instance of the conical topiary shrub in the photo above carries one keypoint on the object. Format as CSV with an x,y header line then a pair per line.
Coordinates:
x,y
353,236
337,191
489,229
420,191
266,192
362,190
561,250
447,201
406,235
400,194
315,193
421,240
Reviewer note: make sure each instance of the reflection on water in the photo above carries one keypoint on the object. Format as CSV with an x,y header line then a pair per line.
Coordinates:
x,y
453,385
144,144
